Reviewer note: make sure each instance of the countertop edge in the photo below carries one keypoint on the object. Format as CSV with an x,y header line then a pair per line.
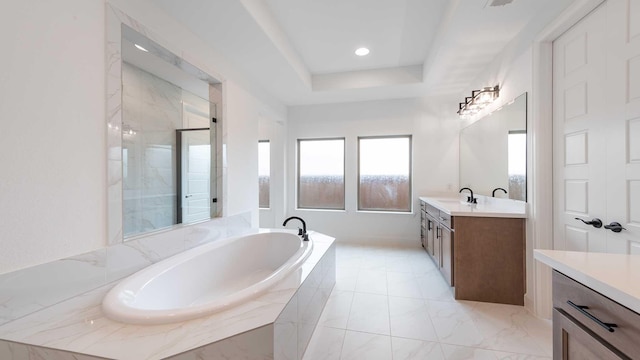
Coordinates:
x,y
501,213
611,291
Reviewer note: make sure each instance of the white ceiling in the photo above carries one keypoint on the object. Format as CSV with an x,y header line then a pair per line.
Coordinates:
x,y
326,33
302,51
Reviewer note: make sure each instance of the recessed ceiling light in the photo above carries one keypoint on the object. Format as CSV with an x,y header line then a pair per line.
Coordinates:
x,y
362,51
140,48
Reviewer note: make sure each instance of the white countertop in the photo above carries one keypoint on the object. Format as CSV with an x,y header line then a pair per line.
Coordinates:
x,y
486,207
616,276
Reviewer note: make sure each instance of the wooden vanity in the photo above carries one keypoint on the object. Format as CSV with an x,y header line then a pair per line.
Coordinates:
x,y
479,249
596,304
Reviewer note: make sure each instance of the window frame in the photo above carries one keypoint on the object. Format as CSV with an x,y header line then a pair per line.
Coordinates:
x,y
382,210
344,175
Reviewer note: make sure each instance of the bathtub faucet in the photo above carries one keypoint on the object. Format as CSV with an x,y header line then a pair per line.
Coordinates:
x,y
302,232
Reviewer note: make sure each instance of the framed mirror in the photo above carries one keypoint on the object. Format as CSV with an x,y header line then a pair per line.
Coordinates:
x,y
493,152
162,136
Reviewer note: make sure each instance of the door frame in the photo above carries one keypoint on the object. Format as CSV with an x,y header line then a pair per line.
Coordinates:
x,y
540,224
179,171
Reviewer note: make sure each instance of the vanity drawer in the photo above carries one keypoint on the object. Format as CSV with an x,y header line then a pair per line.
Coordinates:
x,y
432,210
445,219
569,295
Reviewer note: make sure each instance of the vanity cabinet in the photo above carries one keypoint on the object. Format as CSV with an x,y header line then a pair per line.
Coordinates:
x,y
589,325
481,257
489,259
438,239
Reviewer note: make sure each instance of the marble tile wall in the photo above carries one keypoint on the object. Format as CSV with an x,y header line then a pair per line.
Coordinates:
x,y
115,19
152,111
14,351
255,344
295,325
32,289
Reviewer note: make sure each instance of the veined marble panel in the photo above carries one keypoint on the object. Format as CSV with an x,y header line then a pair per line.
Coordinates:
x,y
29,290
78,325
15,351
32,289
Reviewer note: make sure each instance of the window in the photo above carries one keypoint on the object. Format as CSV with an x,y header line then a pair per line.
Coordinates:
x,y
321,174
384,173
517,164
264,173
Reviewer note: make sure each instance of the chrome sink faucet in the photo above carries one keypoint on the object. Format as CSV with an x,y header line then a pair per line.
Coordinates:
x,y
470,199
302,232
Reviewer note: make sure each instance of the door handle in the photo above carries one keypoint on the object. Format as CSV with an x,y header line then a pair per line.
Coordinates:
x,y
596,223
187,196
615,227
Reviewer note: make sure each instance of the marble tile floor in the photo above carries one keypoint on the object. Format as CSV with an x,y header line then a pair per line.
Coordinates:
x,y
392,303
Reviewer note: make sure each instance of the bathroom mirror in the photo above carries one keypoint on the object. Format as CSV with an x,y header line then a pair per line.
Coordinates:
x,y
493,152
162,118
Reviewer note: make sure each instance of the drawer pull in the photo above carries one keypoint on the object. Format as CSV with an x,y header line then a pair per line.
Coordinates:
x,y
583,310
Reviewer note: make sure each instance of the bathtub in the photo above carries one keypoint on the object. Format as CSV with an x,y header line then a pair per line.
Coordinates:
x,y
207,279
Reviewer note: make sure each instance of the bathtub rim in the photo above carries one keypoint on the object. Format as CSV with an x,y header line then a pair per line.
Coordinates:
x,y
114,304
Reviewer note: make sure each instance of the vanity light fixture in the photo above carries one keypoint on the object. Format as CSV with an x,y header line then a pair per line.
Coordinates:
x,y
478,100
140,48
128,130
362,51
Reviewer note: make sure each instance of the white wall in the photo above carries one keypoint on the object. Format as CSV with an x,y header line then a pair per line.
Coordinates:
x,y
434,126
275,130
52,142
53,138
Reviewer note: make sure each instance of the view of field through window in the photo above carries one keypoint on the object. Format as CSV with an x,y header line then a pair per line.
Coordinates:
x,y
321,174
264,173
384,173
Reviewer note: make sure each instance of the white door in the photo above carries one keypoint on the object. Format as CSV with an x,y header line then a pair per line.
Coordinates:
x,y
196,160
597,130
579,147
623,124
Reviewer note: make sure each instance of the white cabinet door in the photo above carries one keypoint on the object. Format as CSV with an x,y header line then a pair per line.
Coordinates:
x,y
597,130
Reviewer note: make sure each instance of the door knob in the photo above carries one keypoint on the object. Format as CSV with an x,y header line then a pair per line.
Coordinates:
x,y
596,223
615,227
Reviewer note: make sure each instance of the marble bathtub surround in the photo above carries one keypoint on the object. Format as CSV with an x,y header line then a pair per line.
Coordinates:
x,y
285,317
32,289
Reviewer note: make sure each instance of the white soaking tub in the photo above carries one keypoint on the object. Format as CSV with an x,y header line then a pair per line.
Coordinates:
x,y
206,279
